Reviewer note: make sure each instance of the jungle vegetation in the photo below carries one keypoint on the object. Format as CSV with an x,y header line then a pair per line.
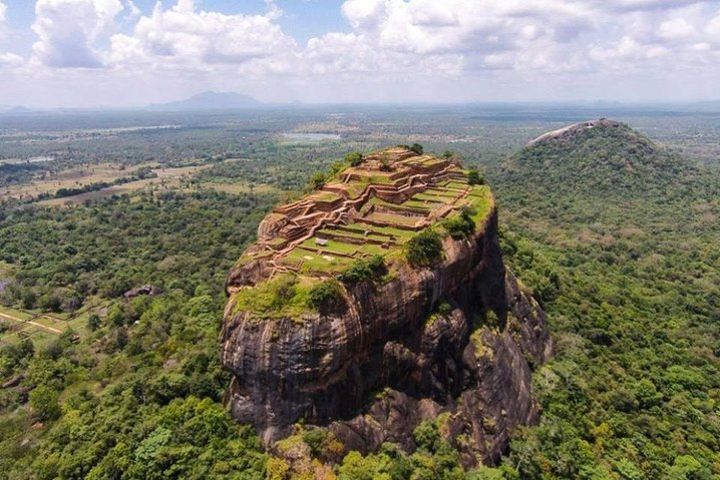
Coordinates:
x,y
626,265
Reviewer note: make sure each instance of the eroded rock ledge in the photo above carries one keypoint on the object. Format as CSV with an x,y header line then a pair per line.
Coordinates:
x,y
392,358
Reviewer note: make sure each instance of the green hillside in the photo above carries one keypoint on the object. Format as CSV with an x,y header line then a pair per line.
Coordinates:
x,y
620,241
629,278
600,157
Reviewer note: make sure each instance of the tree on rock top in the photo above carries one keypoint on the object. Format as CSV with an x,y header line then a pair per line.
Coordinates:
x,y
424,249
354,158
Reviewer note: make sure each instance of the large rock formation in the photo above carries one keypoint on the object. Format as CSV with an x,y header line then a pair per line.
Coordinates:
x,y
458,338
601,158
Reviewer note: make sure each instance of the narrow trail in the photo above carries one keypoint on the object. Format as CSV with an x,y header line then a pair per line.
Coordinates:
x,y
30,322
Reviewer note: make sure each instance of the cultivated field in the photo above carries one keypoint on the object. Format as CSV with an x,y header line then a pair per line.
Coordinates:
x,y
240,188
166,177
42,327
71,178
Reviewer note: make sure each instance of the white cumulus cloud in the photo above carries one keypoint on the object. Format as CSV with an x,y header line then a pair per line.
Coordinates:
x,y
186,36
67,30
479,34
413,47
552,36
10,60
451,37
676,29
644,5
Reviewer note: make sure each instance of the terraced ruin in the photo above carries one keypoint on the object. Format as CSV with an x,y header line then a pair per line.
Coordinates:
x,y
365,210
389,278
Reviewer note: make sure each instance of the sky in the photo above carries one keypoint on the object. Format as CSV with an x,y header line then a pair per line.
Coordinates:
x,y
129,53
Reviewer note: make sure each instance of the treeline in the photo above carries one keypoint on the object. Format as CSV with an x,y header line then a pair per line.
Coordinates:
x,y
288,167
140,174
60,257
630,284
630,281
20,172
139,395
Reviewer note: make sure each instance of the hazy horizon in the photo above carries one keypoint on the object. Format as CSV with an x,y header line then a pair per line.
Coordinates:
x,y
157,107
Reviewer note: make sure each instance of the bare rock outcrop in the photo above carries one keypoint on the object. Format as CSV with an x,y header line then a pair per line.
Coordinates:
x,y
574,129
372,371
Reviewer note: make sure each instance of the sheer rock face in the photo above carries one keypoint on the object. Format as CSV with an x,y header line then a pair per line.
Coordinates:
x,y
372,373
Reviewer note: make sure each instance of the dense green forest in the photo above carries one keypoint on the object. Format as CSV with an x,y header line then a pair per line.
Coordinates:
x,y
141,393
628,273
627,269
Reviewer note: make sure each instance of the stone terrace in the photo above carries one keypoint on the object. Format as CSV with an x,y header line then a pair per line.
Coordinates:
x,y
365,210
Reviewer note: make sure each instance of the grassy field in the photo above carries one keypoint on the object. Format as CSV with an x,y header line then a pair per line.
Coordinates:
x,y
19,324
339,248
71,178
44,327
393,219
309,262
360,234
439,194
240,188
13,313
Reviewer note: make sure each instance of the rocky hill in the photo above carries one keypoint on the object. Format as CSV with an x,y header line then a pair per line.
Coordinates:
x,y
379,301
209,101
599,156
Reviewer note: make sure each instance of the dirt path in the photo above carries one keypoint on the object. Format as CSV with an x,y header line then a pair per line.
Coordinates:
x,y
30,322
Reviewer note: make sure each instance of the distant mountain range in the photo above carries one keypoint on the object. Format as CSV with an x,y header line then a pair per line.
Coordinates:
x,y
236,101
209,101
14,109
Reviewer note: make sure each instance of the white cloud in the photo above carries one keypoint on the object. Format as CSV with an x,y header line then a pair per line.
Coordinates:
x,y
626,49
3,18
393,44
364,14
68,29
713,29
10,60
644,5
677,29
552,36
135,12
451,37
457,34
183,36
428,26
344,53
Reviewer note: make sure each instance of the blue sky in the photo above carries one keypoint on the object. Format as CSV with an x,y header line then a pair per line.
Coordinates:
x,y
133,52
